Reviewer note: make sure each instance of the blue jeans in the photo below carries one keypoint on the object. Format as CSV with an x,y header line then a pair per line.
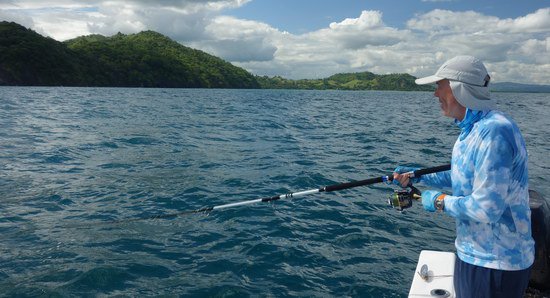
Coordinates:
x,y
475,281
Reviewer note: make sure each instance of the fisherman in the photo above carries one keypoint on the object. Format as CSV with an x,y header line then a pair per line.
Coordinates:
x,y
489,182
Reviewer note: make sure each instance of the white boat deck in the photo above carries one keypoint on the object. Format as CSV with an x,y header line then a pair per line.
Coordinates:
x,y
437,279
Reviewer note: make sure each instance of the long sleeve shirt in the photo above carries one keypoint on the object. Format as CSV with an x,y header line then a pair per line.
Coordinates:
x,y
490,198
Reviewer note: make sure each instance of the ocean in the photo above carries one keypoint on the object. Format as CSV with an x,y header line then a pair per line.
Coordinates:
x,y
83,170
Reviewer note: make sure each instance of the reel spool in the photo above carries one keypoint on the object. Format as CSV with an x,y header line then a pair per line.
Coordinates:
x,y
402,199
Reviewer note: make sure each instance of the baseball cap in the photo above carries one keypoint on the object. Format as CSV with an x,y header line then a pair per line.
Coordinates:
x,y
465,69
469,81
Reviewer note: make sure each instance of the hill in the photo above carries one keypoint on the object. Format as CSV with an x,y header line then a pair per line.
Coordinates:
x,y
347,81
27,58
145,59
516,87
150,59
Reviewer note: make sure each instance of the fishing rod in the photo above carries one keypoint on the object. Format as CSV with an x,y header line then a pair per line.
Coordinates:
x,y
401,199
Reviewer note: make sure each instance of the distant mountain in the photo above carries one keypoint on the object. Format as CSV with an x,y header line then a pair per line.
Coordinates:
x,y
516,87
347,81
146,59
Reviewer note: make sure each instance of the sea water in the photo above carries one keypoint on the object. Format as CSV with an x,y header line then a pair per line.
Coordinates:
x,y
73,160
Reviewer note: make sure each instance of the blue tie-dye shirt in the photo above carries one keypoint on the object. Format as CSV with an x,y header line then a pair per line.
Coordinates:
x,y
490,198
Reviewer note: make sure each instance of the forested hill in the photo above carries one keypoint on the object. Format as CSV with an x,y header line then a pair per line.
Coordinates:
x,y
347,81
27,58
146,59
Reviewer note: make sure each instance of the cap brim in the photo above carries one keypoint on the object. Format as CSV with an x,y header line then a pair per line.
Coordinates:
x,y
428,80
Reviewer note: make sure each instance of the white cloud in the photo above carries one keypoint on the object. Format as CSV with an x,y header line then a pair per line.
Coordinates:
x,y
538,21
444,22
367,30
238,40
20,19
63,19
514,49
532,51
367,20
509,47
240,50
39,4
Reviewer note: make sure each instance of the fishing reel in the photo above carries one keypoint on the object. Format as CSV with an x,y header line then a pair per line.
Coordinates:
x,y
402,199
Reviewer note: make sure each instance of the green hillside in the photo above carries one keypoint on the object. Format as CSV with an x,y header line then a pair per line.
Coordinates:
x,y
150,59
146,59
347,81
27,58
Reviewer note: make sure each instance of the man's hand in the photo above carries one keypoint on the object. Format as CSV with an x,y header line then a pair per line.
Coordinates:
x,y
401,176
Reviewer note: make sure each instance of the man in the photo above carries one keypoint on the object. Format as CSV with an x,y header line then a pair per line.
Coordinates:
x,y
489,182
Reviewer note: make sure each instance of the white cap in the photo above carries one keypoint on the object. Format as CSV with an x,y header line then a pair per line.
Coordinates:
x,y
469,81
465,69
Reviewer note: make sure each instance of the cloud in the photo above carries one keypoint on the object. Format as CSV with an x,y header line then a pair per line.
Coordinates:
x,y
530,51
63,19
514,49
537,22
509,47
179,24
238,40
240,50
179,4
367,30
446,22
21,19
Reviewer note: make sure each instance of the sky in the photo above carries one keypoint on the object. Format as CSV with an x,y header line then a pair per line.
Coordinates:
x,y
307,39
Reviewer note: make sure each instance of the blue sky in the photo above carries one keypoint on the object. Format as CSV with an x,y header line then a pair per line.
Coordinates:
x,y
318,38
